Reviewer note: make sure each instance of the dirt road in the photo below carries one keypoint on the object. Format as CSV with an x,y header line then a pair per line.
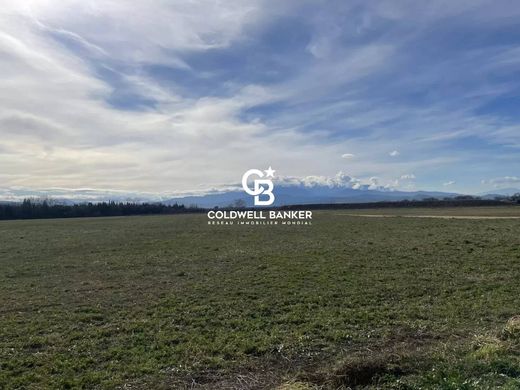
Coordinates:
x,y
430,216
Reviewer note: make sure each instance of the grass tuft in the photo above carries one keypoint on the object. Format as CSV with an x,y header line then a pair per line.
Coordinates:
x,y
512,329
296,385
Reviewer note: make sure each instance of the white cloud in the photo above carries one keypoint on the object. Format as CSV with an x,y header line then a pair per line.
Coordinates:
x,y
448,183
408,176
394,153
142,32
374,183
341,179
347,156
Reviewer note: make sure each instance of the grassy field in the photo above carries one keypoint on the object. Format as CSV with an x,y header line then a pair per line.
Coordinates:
x,y
170,302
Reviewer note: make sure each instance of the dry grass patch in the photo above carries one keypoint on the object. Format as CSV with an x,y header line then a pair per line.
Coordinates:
x,y
297,385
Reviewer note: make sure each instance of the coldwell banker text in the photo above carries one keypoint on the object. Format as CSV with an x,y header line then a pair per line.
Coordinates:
x,y
262,191
259,217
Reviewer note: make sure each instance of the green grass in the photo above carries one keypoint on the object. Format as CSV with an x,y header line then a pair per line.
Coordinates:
x,y
168,302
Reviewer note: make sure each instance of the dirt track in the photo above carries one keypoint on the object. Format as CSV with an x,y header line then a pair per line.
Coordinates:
x,y
430,216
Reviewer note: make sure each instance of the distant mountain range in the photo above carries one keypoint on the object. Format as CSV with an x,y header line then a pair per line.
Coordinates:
x,y
300,194
286,194
499,192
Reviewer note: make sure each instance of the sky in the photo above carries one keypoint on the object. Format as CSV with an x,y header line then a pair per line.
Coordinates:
x,y
167,97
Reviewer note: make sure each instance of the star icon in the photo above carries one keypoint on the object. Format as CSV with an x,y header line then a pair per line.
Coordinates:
x,y
269,172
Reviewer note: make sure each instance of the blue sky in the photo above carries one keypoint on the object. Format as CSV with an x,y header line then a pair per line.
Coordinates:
x,y
184,96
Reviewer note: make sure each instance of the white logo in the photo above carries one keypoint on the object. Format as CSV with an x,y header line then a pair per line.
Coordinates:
x,y
259,186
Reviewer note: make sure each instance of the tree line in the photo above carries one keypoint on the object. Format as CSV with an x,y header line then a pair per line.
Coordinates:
x,y
33,209
36,209
459,201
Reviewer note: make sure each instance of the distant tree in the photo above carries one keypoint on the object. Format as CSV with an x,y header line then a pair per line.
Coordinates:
x,y
238,204
29,209
466,197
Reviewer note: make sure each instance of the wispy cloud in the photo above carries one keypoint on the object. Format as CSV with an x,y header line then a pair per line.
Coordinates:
x,y
159,97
